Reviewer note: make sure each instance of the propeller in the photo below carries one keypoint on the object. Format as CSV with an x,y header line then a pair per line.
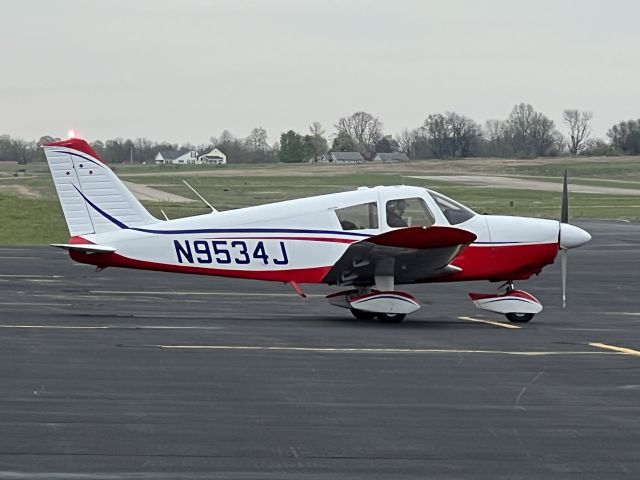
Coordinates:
x,y
564,220
569,236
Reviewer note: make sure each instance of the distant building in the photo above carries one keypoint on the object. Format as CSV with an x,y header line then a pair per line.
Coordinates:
x,y
214,157
166,156
177,158
391,157
342,157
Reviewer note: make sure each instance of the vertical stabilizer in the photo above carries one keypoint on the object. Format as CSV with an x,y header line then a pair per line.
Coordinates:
x,y
93,198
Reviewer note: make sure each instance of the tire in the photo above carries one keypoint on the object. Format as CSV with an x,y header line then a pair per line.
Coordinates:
x,y
362,315
519,317
391,317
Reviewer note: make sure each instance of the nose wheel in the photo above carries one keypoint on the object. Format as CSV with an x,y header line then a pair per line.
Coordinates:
x,y
391,317
519,317
383,317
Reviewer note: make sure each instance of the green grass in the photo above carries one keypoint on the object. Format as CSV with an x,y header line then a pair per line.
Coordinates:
x,y
37,219
28,221
612,168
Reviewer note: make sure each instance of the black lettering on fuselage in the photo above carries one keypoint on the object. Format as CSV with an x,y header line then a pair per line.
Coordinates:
x,y
186,251
201,247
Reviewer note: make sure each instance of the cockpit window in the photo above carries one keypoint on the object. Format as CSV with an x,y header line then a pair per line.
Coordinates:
x,y
358,217
408,212
453,211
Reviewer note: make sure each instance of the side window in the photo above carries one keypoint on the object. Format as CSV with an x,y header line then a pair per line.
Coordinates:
x,y
358,217
453,211
408,212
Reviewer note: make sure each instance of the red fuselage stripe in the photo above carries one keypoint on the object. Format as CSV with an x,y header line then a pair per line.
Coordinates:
x,y
498,263
300,275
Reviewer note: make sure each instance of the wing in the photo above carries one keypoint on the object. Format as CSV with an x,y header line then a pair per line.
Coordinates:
x,y
409,254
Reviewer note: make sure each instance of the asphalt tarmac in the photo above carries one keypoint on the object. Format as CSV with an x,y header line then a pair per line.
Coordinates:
x,y
128,374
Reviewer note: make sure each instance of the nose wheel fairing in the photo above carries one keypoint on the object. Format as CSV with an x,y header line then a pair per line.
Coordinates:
x,y
507,303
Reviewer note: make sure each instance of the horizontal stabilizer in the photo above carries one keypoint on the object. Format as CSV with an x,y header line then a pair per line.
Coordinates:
x,y
86,248
423,237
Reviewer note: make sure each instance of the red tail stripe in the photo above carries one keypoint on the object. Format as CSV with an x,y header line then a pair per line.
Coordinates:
x,y
76,144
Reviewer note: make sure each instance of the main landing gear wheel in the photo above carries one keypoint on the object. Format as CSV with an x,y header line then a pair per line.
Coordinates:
x,y
362,315
519,317
390,317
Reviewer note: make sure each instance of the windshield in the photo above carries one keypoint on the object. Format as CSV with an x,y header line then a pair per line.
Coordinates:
x,y
453,211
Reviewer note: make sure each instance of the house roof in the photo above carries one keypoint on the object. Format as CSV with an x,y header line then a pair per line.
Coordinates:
x,y
347,155
170,154
398,156
215,152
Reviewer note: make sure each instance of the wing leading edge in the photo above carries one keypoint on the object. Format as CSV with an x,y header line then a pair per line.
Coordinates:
x,y
409,254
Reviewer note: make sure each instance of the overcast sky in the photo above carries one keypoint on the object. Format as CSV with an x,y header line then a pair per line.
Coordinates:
x,y
184,70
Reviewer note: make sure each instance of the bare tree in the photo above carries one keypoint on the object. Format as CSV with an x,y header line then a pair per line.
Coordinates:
x,y
544,136
529,132
406,140
437,131
316,129
315,143
257,140
464,132
625,136
579,129
497,135
364,128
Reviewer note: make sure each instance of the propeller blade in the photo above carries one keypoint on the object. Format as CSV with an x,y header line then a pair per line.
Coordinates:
x,y
564,211
564,218
563,260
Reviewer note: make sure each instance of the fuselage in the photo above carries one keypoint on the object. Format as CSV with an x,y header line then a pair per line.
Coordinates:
x,y
300,240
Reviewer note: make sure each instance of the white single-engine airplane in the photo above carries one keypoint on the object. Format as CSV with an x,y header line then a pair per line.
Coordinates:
x,y
370,240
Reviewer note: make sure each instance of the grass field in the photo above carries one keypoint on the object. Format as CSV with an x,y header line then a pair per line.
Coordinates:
x,y
31,215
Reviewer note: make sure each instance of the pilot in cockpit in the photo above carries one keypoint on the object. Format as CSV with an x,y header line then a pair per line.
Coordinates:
x,y
395,212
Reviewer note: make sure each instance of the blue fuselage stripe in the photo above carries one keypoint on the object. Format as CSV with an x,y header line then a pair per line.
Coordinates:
x,y
247,230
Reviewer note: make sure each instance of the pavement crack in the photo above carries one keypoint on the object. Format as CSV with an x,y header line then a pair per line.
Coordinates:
x,y
523,447
517,405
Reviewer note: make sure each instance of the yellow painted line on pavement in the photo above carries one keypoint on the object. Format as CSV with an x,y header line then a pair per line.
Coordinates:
x,y
57,327
112,327
36,304
267,348
626,351
7,275
490,322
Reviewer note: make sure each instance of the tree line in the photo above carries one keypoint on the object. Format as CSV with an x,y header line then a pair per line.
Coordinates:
x,y
524,133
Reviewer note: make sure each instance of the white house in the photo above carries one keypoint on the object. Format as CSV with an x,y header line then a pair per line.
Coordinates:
x,y
342,157
214,157
177,158
391,157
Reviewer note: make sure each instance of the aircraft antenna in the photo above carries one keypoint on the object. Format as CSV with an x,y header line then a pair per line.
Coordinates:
x,y
200,196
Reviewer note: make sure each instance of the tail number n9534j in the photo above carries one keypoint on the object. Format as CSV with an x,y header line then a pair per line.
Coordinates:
x,y
226,252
